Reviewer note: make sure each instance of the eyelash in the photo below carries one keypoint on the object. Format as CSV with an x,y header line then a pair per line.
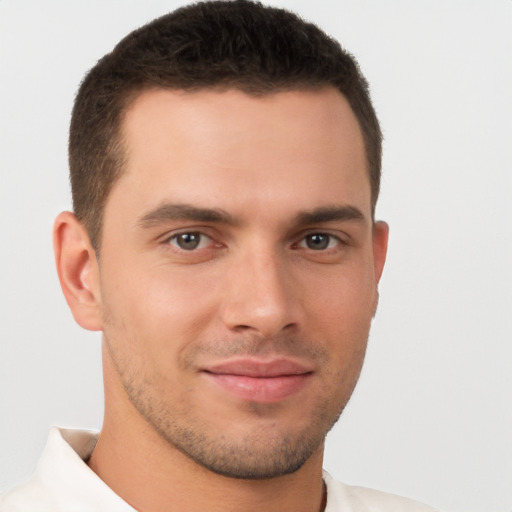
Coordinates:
x,y
328,236
177,236
333,241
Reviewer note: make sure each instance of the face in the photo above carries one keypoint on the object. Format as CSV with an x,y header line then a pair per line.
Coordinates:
x,y
238,272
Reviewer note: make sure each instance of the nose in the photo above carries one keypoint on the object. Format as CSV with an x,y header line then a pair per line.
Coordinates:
x,y
259,296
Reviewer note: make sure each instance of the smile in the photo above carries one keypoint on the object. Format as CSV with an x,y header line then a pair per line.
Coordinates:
x,y
265,382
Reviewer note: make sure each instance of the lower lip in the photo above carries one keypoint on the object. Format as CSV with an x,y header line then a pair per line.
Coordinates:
x,y
260,389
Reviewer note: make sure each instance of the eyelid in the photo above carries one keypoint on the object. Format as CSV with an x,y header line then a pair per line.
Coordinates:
x,y
173,233
342,237
204,242
333,243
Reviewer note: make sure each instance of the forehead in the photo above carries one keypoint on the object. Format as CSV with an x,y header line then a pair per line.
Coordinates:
x,y
231,149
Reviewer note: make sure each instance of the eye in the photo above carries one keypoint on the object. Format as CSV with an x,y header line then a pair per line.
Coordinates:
x,y
190,241
319,241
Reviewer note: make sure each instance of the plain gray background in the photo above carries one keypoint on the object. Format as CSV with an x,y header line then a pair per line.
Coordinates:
x,y
432,415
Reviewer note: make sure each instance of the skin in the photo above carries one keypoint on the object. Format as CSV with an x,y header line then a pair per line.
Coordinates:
x,y
275,193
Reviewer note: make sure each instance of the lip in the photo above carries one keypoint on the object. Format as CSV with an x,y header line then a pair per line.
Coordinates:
x,y
259,381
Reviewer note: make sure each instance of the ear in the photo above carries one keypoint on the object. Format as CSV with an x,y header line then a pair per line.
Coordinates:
x,y
78,270
380,247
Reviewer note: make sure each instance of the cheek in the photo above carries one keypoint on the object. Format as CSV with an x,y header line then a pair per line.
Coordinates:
x,y
340,317
155,308
345,302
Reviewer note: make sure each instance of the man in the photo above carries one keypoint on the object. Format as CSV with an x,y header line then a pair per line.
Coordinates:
x,y
225,166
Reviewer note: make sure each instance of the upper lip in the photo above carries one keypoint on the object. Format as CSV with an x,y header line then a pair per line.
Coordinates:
x,y
278,367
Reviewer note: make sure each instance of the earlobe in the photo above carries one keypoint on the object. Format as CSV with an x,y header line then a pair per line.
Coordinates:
x,y
77,268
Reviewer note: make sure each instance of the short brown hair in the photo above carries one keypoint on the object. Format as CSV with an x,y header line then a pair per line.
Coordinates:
x,y
216,44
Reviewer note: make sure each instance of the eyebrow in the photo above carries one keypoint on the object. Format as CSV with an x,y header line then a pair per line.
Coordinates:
x,y
330,213
170,212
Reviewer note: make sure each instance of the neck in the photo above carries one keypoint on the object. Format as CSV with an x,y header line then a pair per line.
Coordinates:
x,y
153,476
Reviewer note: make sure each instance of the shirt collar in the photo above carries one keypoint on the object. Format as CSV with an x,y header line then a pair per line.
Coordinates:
x,y
64,474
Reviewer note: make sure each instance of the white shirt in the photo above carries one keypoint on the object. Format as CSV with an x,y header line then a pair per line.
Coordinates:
x,y
63,482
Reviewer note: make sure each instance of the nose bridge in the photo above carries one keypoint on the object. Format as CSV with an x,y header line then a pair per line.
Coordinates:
x,y
259,296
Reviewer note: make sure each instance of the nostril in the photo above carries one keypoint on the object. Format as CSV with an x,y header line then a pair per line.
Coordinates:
x,y
243,327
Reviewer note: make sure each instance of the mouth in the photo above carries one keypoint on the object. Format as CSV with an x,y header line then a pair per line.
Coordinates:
x,y
259,381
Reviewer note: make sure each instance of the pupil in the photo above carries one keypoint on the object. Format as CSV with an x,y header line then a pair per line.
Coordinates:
x,y
188,240
318,242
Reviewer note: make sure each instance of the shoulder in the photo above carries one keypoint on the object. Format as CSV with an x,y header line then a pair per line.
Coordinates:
x,y
349,498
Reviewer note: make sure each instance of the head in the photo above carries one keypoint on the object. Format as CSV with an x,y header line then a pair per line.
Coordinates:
x,y
212,45
225,166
